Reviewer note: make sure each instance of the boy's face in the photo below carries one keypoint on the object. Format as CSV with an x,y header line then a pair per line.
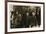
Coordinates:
x,y
33,13
19,14
27,13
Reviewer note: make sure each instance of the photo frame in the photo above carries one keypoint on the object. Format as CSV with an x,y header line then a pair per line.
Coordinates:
x,y
16,10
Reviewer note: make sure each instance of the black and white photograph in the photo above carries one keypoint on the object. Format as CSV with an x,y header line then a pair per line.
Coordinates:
x,y
24,17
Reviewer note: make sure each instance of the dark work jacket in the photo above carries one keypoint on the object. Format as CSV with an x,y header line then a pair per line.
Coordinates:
x,y
32,20
27,21
38,19
22,23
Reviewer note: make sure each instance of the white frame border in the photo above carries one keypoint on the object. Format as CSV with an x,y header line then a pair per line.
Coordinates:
x,y
23,29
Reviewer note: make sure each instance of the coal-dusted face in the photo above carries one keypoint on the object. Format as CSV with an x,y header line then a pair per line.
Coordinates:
x,y
33,13
27,14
